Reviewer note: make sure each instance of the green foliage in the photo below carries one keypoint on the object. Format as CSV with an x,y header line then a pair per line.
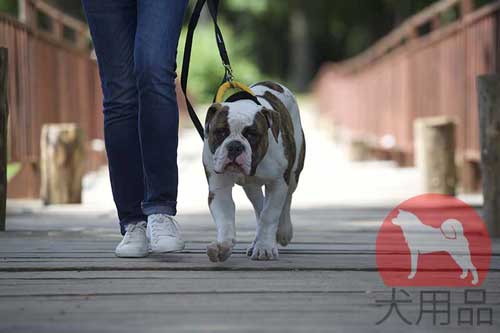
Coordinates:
x,y
12,169
256,7
206,70
484,2
8,6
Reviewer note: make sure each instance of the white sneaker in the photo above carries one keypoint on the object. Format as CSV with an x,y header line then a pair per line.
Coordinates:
x,y
135,242
164,234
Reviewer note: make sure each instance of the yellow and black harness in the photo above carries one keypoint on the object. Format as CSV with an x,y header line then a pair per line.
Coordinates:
x,y
228,82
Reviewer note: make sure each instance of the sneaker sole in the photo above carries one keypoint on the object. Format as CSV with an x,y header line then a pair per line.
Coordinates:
x,y
178,246
131,255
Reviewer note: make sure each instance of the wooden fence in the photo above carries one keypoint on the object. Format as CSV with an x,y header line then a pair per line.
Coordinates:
x,y
50,81
423,68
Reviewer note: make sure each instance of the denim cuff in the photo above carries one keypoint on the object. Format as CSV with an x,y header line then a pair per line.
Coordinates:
x,y
163,207
125,222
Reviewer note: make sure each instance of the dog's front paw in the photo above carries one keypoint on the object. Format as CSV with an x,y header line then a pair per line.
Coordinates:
x,y
263,251
220,251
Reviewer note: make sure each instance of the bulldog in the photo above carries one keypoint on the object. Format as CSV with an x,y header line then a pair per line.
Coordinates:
x,y
254,142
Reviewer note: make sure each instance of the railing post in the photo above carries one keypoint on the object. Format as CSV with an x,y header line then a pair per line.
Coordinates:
x,y
435,154
3,135
62,163
488,90
436,22
57,28
26,12
466,7
82,41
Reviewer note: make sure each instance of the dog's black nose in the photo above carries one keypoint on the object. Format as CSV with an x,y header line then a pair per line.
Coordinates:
x,y
234,149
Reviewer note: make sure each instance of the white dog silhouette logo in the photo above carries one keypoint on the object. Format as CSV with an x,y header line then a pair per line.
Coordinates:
x,y
422,239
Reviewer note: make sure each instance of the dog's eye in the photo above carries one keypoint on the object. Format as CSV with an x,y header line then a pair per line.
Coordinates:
x,y
220,133
251,135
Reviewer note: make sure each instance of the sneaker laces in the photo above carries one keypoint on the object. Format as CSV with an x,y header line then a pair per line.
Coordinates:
x,y
163,225
135,232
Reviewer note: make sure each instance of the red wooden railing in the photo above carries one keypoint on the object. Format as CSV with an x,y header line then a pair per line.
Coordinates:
x,y
376,96
51,79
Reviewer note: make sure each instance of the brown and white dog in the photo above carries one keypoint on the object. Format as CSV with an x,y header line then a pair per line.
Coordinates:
x,y
254,145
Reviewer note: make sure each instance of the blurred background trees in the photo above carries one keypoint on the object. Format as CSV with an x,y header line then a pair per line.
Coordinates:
x,y
286,40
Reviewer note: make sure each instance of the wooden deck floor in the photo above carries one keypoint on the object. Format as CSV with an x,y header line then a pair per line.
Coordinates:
x,y
58,274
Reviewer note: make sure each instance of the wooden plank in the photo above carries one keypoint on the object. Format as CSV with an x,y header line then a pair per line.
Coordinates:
x,y
35,245
113,283
183,282
4,115
336,279
60,280
237,262
333,311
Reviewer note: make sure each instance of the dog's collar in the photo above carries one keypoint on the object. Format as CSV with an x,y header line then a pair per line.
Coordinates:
x,y
242,95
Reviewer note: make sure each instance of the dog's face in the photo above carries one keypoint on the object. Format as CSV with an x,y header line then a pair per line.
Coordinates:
x,y
237,135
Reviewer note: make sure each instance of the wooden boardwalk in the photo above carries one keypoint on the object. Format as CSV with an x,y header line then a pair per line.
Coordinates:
x,y
58,274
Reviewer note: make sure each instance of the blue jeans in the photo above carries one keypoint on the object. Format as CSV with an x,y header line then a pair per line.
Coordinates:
x,y
136,47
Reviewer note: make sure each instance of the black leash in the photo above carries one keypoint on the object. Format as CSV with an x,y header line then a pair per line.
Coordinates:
x,y
213,6
228,80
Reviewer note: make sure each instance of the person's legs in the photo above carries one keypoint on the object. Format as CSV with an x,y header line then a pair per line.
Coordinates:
x,y
158,28
113,25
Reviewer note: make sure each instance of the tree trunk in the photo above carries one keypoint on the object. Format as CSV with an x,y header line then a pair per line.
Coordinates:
x,y
435,154
62,163
300,49
488,90
4,113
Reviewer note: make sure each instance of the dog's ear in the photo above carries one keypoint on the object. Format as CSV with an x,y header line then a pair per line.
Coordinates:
x,y
212,110
273,121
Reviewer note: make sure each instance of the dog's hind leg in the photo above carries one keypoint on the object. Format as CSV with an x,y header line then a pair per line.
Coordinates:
x,y
254,194
285,229
414,263
465,263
